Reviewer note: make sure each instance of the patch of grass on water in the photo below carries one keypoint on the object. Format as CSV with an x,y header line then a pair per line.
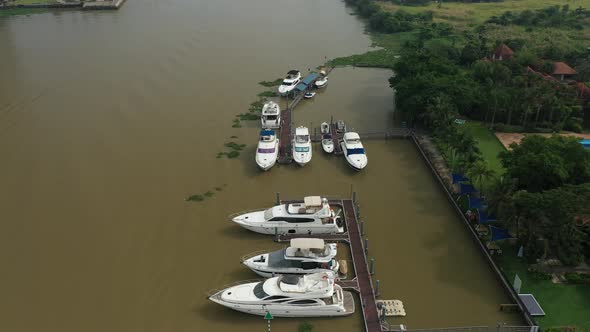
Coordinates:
x,y
268,94
218,189
220,155
248,116
256,106
305,327
269,84
233,154
195,198
235,146
236,124
209,194
233,136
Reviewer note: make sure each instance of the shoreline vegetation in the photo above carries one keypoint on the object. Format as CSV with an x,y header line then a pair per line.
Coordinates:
x,y
465,70
28,7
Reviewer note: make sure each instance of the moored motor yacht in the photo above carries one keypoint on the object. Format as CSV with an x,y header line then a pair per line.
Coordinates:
x,y
290,82
302,146
353,150
271,115
322,81
309,95
327,142
303,256
313,295
312,216
267,150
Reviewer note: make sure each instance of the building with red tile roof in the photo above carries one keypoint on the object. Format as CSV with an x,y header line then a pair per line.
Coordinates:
x,y
502,52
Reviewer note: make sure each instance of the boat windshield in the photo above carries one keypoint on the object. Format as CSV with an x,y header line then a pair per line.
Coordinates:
x,y
355,151
353,141
302,138
287,83
268,214
259,290
301,149
270,150
270,117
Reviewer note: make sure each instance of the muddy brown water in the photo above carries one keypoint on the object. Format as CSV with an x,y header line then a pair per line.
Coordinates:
x,y
109,120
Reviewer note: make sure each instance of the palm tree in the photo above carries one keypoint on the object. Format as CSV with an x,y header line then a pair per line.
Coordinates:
x,y
479,172
454,160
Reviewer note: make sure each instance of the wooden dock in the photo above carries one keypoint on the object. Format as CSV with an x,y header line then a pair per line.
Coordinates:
x,y
285,138
362,283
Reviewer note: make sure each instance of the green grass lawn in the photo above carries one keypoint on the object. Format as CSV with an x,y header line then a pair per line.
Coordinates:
x,y
31,2
488,144
470,14
564,305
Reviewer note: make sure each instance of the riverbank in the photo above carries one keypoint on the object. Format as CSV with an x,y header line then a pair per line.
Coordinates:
x,y
25,7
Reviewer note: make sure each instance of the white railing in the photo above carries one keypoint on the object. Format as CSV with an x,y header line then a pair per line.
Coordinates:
x,y
237,283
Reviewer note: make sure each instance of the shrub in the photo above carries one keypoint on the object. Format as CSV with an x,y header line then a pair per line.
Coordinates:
x,y
577,278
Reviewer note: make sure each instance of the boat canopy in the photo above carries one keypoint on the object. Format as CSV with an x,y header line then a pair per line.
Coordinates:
x,y
304,243
351,136
309,78
293,72
312,201
267,133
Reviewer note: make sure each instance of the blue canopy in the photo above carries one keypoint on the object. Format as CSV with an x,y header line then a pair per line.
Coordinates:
x,y
355,151
466,189
267,132
459,178
499,233
309,78
586,143
301,87
475,203
484,218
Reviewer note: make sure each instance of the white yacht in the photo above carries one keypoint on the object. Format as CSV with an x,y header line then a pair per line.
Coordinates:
x,y
271,115
302,146
303,256
290,82
267,150
313,295
313,216
322,81
354,151
327,142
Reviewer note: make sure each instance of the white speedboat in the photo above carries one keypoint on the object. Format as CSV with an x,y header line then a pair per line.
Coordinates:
x,y
302,146
271,115
309,95
267,150
327,142
313,295
290,82
313,216
354,151
322,81
303,256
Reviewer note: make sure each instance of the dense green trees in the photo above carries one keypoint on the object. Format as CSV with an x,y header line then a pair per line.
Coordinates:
x,y
553,16
540,163
387,22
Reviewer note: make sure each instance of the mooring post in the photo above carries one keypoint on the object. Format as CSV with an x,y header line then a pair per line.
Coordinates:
x,y
372,266
278,196
276,234
377,286
362,227
383,313
354,197
366,246
358,211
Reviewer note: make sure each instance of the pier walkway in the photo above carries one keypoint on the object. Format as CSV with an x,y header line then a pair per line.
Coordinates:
x,y
362,283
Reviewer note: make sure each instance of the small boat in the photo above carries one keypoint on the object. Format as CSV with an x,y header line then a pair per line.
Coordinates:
x,y
303,256
322,81
354,151
302,146
341,126
309,95
267,150
312,295
290,82
271,115
327,142
312,216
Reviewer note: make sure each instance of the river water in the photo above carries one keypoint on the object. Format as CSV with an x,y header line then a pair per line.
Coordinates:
x,y
109,120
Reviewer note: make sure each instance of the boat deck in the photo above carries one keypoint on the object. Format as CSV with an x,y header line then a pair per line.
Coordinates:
x,y
363,282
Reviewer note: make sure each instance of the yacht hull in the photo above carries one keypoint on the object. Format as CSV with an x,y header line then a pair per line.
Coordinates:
x,y
277,310
293,229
